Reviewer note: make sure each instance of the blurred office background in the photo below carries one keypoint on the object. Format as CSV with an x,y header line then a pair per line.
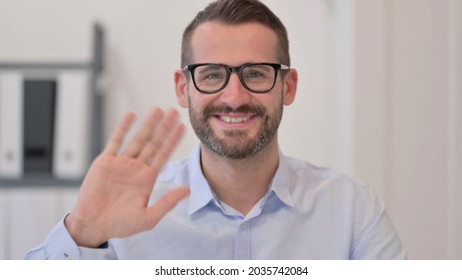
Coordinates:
x,y
380,97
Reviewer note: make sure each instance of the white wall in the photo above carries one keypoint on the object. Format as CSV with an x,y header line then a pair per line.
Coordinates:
x,y
426,124
27,214
408,117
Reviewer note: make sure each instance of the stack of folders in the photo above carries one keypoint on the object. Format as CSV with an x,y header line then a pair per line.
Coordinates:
x,y
45,125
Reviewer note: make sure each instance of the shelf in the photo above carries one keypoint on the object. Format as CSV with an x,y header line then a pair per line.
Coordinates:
x,y
39,180
46,72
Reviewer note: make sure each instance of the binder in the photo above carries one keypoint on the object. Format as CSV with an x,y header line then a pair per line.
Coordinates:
x,y
39,108
11,124
72,125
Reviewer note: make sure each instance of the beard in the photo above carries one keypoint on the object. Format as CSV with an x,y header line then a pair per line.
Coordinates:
x,y
236,144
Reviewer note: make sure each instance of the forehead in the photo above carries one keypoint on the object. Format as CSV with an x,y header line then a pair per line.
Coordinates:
x,y
215,42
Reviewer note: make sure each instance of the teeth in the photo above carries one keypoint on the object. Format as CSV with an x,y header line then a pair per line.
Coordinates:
x,y
233,120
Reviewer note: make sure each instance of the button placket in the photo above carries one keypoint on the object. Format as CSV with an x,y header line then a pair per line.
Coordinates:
x,y
242,241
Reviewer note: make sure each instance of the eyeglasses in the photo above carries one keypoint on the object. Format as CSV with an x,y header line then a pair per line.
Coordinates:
x,y
210,78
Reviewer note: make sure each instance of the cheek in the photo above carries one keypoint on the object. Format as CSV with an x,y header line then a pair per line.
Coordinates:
x,y
274,101
199,100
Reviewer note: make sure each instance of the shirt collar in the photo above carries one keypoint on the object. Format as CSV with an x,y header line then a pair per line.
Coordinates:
x,y
281,184
201,193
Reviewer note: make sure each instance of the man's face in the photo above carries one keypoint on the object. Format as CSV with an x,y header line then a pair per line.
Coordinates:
x,y
235,123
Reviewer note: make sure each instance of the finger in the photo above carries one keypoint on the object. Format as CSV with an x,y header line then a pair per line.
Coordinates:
x,y
160,136
117,138
138,142
164,153
157,211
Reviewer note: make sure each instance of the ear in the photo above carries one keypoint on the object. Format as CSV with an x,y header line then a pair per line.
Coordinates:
x,y
181,88
290,84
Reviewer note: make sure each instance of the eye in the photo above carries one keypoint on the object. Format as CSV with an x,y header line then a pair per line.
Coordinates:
x,y
210,73
213,76
258,72
254,74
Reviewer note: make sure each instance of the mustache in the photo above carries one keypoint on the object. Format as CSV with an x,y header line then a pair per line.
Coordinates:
x,y
212,110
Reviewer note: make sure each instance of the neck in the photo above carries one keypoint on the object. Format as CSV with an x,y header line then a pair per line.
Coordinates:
x,y
240,183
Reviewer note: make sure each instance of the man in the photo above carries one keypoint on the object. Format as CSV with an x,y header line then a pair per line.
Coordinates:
x,y
246,199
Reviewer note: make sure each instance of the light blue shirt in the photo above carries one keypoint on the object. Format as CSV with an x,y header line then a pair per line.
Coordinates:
x,y
307,213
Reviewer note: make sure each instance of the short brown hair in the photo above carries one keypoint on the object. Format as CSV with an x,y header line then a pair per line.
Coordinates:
x,y
235,12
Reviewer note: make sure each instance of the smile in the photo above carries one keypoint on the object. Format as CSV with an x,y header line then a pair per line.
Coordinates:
x,y
233,120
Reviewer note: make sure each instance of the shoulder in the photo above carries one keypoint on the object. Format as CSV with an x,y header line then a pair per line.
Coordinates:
x,y
308,179
334,194
306,171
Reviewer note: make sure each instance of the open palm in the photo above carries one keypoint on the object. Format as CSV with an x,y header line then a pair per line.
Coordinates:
x,y
113,200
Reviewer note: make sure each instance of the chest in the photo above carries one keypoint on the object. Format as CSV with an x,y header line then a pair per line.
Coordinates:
x,y
283,234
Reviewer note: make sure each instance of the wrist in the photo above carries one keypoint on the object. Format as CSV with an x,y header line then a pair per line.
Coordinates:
x,y
81,234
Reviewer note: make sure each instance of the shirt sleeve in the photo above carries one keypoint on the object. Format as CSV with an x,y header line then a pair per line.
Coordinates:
x,y
59,245
375,236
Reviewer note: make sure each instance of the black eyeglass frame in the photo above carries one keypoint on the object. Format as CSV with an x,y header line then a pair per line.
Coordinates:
x,y
238,70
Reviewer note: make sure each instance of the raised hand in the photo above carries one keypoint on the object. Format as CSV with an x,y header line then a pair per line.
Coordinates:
x,y
113,200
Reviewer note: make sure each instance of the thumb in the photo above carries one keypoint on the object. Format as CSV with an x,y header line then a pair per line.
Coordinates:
x,y
157,211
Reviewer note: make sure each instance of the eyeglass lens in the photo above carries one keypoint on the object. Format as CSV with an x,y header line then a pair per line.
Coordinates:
x,y
256,77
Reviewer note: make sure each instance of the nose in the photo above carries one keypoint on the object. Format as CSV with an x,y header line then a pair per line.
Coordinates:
x,y
234,94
